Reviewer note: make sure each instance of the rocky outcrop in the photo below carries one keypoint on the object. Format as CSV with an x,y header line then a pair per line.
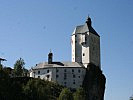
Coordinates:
x,y
94,83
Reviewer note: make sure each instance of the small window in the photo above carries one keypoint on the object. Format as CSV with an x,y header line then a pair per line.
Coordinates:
x,y
47,71
47,76
57,70
38,72
57,76
79,76
74,76
38,76
75,35
73,82
65,70
85,38
75,41
79,70
65,76
72,70
83,54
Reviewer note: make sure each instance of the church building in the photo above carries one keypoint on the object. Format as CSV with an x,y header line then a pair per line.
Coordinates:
x,y
85,43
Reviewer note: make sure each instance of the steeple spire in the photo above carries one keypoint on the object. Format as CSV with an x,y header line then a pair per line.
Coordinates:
x,y
88,21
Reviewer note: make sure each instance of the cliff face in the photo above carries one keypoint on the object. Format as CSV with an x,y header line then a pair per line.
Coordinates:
x,y
94,83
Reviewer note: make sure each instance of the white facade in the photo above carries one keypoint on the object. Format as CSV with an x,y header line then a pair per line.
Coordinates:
x,y
85,49
69,74
85,45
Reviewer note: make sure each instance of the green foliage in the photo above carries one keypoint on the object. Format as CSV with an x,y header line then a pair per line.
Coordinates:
x,y
9,89
7,70
1,67
79,94
66,94
26,88
41,90
3,74
18,67
36,89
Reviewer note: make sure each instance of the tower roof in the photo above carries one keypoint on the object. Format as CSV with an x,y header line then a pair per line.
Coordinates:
x,y
86,28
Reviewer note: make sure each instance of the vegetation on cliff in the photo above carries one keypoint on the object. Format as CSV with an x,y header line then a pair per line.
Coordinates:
x,y
26,88
20,87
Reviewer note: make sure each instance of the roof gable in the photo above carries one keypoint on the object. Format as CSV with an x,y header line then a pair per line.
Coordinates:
x,y
85,28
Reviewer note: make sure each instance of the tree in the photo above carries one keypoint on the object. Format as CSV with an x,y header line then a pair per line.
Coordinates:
x,y
79,94
25,72
66,94
3,73
18,67
36,90
1,67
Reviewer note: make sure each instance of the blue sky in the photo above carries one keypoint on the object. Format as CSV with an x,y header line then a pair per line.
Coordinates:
x,y
30,28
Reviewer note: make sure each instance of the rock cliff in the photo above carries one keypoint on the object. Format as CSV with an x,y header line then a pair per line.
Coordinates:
x,y
94,83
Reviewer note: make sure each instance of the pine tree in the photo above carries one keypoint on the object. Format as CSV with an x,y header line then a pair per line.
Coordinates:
x,y
18,67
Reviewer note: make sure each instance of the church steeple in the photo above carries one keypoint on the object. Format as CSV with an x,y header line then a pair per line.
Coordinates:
x,y
88,21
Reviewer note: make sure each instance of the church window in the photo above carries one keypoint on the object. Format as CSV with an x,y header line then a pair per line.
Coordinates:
x,y
83,54
38,72
47,71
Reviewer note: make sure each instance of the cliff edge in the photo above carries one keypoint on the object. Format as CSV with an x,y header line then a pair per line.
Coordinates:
x,y
94,83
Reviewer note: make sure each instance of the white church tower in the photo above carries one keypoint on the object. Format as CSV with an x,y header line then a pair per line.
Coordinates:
x,y
86,45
